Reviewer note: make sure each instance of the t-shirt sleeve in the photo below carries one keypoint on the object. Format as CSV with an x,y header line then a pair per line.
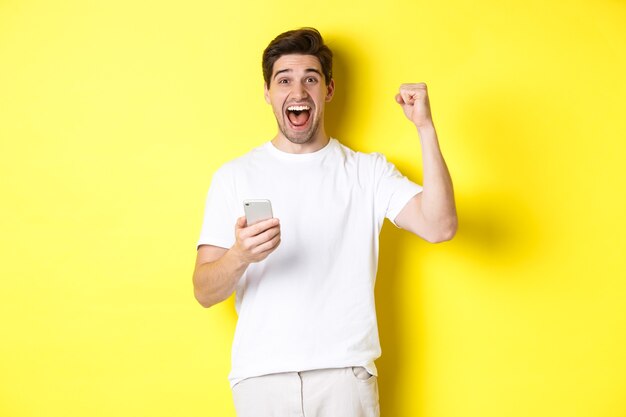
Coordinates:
x,y
393,190
220,214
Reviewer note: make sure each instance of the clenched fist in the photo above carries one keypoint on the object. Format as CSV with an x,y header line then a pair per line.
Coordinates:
x,y
414,101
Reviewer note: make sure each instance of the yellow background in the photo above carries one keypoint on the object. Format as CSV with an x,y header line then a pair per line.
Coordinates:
x,y
115,114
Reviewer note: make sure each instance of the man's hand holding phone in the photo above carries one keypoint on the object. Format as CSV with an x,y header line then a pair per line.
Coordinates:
x,y
255,242
217,272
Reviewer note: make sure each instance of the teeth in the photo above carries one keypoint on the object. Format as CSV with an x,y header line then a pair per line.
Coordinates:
x,y
298,108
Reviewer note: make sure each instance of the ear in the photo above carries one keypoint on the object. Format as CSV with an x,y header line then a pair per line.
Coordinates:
x,y
330,90
266,93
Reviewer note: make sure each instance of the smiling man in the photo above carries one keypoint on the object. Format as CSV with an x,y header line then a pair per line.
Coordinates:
x,y
297,91
307,337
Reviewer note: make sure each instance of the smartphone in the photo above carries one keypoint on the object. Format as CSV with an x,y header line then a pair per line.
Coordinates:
x,y
257,210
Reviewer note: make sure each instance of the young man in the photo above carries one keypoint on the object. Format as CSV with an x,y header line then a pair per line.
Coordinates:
x,y
307,336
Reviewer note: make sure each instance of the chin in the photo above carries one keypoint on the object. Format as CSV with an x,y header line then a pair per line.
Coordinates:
x,y
300,138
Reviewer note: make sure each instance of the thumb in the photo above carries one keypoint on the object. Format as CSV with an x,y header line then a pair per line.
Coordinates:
x,y
399,99
241,222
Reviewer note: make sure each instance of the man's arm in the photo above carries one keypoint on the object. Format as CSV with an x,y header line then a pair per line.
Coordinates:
x,y
218,270
432,213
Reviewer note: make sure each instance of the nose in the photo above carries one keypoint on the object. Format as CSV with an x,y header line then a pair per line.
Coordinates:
x,y
299,91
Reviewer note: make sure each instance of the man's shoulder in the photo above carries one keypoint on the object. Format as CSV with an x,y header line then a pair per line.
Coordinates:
x,y
360,156
240,162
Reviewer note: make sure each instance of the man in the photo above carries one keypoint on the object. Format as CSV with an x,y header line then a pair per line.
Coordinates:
x,y
307,337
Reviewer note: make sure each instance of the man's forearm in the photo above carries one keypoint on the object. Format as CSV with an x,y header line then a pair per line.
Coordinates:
x,y
215,281
438,206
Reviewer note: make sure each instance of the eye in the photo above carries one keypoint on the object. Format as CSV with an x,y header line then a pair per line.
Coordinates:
x,y
283,81
311,80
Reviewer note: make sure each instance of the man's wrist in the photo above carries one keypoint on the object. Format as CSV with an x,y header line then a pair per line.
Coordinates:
x,y
238,261
427,128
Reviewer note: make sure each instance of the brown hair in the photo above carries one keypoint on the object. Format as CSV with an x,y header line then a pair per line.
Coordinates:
x,y
304,41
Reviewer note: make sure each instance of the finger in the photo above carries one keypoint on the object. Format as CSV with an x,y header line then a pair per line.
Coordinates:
x,y
399,99
241,222
408,96
269,246
413,85
252,242
266,236
413,89
260,227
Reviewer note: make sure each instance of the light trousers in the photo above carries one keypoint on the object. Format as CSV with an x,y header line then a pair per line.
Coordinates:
x,y
341,392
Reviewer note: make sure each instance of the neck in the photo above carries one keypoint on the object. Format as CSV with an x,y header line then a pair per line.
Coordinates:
x,y
315,144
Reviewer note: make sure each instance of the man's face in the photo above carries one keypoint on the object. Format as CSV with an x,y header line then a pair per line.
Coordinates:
x,y
298,93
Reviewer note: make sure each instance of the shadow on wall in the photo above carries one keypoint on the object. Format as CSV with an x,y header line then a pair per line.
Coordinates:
x,y
498,229
389,310
341,113
500,216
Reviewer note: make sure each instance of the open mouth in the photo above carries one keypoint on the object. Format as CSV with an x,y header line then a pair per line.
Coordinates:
x,y
298,115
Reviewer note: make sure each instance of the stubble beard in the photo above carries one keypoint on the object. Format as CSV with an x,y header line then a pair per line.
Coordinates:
x,y
307,135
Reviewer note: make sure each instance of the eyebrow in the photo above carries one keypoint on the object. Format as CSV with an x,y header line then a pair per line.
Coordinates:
x,y
290,70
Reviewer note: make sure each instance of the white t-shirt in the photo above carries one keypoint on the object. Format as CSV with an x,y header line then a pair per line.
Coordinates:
x,y
310,303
